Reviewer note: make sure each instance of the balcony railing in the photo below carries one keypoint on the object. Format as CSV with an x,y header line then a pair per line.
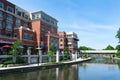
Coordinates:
x,y
3,36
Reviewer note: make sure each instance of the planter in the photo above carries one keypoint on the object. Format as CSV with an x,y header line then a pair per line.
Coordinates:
x,y
14,65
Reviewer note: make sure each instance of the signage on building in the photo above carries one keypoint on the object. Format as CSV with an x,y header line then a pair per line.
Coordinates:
x,y
7,42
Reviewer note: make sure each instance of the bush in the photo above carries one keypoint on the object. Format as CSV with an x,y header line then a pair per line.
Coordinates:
x,y
7,62
85,55
20,60
118,54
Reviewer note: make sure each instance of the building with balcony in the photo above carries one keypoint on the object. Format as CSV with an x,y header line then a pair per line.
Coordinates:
x,y
46,29
69,40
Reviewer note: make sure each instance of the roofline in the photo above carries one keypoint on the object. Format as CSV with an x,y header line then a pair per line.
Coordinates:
x,y
43,13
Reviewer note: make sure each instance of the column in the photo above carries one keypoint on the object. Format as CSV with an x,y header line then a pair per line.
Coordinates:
x,y
29,55
57,56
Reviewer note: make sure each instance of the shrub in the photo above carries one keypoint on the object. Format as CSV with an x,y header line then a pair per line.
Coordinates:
x,y
20,60
7,62
85,55
118,54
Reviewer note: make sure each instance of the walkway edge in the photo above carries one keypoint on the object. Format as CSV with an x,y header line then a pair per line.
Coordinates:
x,y
36,67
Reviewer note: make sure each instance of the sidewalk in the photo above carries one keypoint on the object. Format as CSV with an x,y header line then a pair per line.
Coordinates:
x,y
39,66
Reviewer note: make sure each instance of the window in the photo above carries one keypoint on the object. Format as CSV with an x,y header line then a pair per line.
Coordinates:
x,y
60,40
31,37
0,24
17,26
1,5
15,35
60,45
0,14
8,34
19,13
52,29
17,21
9,26
25,36
9,17
42,30
10,9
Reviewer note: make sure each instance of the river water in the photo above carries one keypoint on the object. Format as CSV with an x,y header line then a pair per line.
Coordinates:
x,y
97,69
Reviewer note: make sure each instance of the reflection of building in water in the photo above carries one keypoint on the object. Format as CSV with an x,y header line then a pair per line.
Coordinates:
x,y
74,72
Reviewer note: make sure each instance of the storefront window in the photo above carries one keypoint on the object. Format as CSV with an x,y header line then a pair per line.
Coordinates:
x,y
25,36
9,26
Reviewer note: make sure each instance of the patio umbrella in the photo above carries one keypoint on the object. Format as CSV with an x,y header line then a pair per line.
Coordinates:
x,y
6,46
20,47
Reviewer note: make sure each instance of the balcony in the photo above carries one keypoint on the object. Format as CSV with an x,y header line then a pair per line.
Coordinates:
x,y
3,36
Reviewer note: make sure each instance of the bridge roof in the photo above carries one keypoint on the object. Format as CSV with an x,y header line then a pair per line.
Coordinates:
x,y
100,51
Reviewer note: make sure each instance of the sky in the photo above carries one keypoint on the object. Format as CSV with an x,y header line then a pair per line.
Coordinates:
x,y
95,21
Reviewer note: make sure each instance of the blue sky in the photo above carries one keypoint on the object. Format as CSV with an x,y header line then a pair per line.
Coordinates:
x,y
95,21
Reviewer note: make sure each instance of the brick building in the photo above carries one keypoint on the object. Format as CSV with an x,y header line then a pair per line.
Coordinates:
x,y
46,29
36,29
15,25
69,40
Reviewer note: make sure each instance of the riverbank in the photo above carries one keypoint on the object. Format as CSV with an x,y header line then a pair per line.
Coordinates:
x,y
110,57
34,67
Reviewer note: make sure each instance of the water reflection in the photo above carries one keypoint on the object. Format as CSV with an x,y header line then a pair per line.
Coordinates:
x,y
97,69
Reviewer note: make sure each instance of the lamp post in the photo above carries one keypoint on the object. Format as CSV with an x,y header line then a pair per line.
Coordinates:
x,y
39,55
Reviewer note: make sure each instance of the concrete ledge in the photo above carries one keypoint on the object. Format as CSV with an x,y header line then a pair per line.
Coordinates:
x,y
39,67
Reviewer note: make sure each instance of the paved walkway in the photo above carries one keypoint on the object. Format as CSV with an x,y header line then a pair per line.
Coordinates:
x,y
35,65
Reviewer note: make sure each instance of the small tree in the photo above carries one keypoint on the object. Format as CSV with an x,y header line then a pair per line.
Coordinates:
x,y
66,54
118,34
14,49
51,52
85,55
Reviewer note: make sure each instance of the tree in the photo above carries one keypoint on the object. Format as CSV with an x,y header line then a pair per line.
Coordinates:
x,y
66,54
118,34
14,49
109,47
118,47
51,52
85,48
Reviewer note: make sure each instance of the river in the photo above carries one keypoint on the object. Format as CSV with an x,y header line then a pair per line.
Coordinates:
x,y
96,69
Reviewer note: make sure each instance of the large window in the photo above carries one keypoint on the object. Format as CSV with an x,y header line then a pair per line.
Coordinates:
x,y
9,17
9,26
25,36
1,5
10,9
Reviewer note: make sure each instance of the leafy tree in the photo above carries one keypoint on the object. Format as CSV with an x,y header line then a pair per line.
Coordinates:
x,y
14,49
51,52
85,48
66,54
118,47
109,47
118,34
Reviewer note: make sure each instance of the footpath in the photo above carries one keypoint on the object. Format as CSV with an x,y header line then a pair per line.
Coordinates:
x,y
33,67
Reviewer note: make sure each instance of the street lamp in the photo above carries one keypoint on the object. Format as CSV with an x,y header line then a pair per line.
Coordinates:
x,y
39,55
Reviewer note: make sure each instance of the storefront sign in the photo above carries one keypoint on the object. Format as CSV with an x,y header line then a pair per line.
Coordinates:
x,y
1,41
